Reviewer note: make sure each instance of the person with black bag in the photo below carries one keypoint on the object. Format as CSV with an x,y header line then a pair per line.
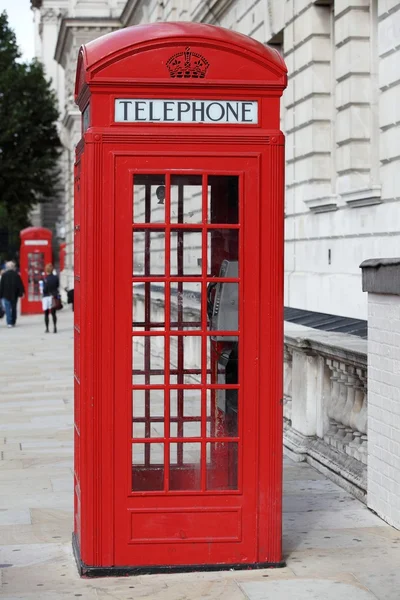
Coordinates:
x,y
51,301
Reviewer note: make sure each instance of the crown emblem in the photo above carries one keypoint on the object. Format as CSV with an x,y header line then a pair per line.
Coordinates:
x,y
187,65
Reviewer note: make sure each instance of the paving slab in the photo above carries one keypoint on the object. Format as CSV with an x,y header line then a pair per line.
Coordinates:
x,y
334,547
305,589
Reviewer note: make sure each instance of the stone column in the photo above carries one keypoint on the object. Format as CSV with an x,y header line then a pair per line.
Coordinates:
x,y
356,96
305,384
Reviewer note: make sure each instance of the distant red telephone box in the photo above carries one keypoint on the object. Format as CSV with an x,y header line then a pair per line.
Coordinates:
x,y
179,184
35,254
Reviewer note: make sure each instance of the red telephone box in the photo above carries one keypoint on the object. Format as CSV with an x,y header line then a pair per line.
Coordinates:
x,y
179,184
35,254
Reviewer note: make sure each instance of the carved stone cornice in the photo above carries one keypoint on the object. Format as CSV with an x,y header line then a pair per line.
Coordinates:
x,y
212,11
49,15
128,12
70,26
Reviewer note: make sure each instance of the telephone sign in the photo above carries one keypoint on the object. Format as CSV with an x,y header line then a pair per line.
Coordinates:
x,y
185,111
179,181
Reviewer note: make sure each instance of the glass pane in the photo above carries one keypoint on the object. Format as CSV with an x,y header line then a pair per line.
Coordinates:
x,y
186,252
185,305
185,463
35,274
147,359
148,413
222,466
186,199
147,467
223,253
222,413
185,411
148,253
223,199
152,297
222,361
185,359
148,198
189,429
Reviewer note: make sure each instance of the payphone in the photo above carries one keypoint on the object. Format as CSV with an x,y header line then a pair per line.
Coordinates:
x,y
224,316
178,368
225,310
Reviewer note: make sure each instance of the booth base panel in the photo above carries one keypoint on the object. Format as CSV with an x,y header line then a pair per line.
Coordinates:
x,y
32,310
122,571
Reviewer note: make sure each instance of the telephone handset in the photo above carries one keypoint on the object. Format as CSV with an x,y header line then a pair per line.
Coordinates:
x,y
225,310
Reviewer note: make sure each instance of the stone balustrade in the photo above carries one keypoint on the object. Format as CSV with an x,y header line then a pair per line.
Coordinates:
x,y
325,403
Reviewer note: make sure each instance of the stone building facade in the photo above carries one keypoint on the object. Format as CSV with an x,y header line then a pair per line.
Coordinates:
x,y
340,114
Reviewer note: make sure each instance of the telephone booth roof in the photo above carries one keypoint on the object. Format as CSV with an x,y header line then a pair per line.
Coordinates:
x,y
35,233
133,54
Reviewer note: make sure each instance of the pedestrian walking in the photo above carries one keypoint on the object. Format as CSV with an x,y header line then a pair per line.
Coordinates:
x,y
11,288
50,293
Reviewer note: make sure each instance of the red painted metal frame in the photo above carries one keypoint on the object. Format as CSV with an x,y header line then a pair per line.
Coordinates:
x,y
115,527
31,251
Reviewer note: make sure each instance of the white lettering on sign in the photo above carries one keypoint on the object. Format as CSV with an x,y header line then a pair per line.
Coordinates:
x,y
36,243
186,111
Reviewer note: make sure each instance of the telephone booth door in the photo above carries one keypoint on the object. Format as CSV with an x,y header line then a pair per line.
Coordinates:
x,y
35,253
186,347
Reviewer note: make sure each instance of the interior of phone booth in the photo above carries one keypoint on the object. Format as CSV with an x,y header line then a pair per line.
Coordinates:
x,y
36,264
185,356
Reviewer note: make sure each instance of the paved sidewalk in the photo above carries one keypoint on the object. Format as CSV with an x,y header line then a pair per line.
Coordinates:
x,y
335,548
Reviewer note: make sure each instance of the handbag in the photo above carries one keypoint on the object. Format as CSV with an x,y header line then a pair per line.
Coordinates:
x,y
2,311
56,303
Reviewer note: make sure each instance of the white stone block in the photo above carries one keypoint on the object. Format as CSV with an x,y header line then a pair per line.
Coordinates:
x,y
341,5
385,5
277,13
315,79
389,107
288,97
390,177
354,22
314,49
315,137
288,39
312,21
354,122
389,69
316,107
353,57
313,167
353,155
300,5
390,143
356,89
322,292
389,33
297,197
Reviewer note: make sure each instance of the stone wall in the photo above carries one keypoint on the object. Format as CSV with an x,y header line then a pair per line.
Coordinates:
x,y
381,279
